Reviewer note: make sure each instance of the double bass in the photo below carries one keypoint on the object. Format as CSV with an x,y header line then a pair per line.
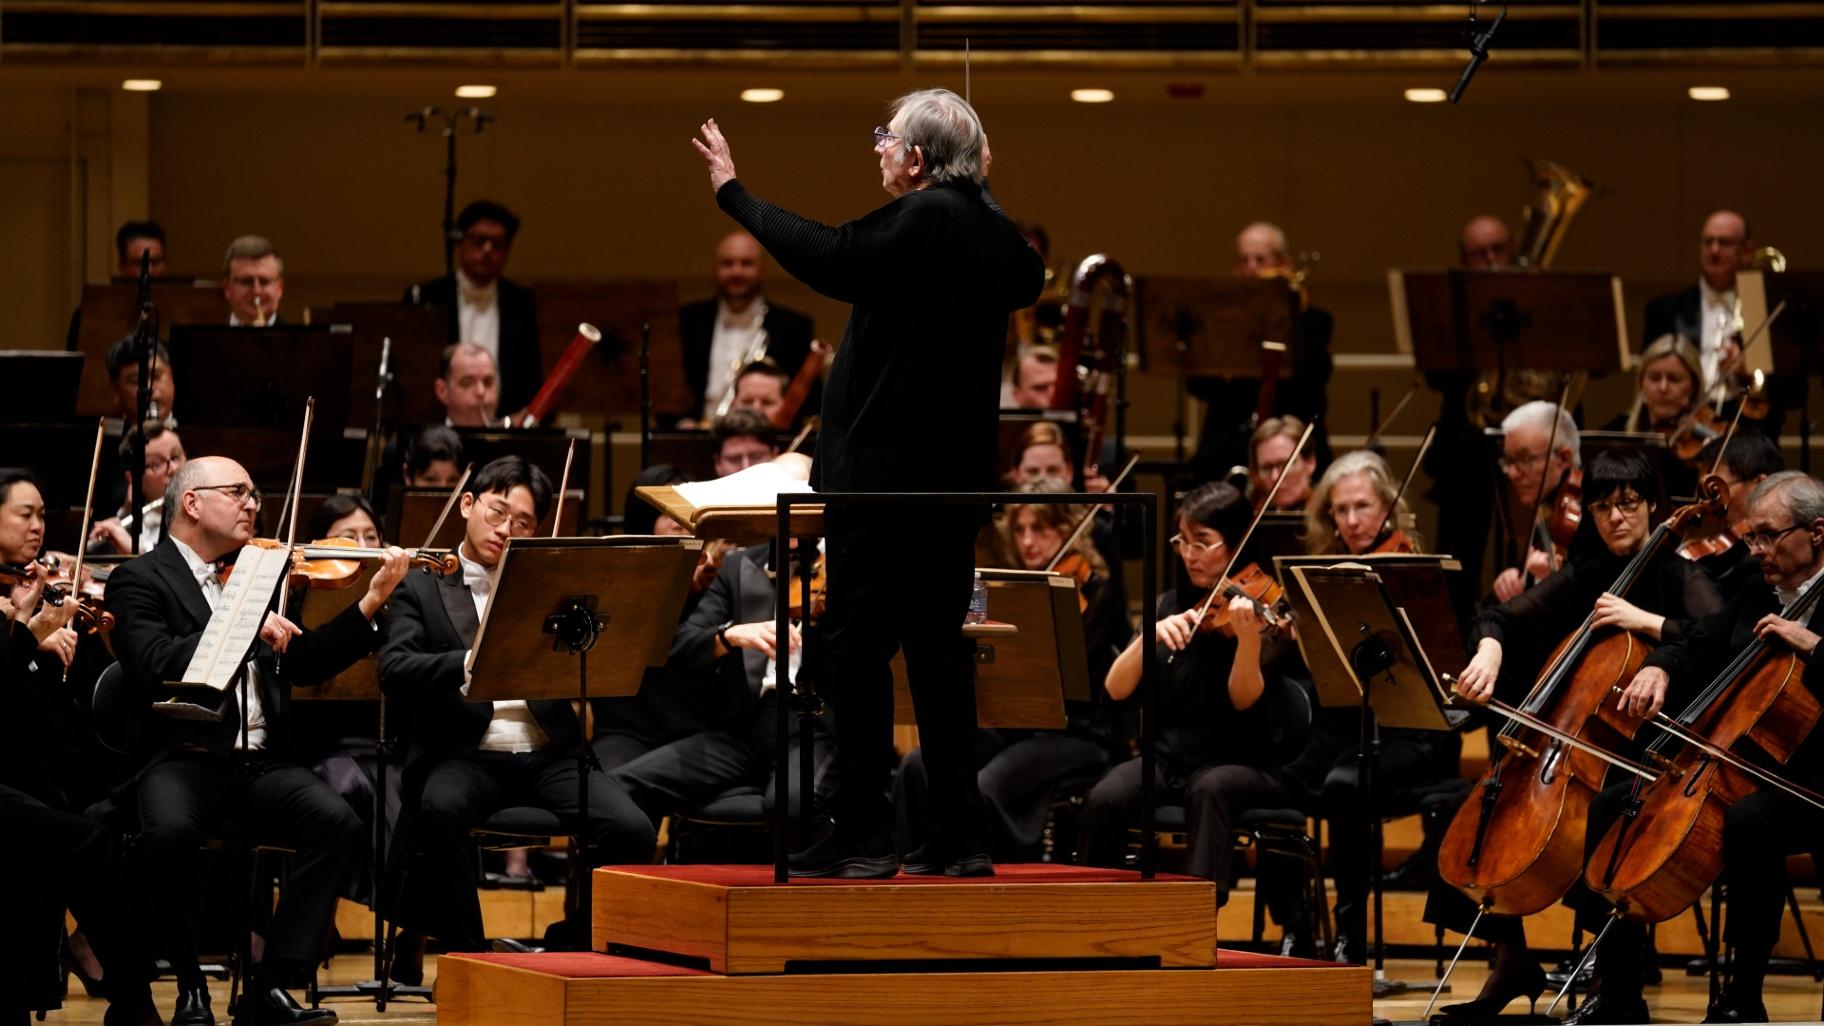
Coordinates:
x,y
1517,843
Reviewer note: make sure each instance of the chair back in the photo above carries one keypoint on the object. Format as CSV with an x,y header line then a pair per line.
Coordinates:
x,y
115,712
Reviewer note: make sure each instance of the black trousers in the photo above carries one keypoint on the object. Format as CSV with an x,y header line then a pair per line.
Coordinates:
x,y
681,775
1405,762
1018,770
1213,797
462,793
59,859
353,773
1758,833
880,603
184,799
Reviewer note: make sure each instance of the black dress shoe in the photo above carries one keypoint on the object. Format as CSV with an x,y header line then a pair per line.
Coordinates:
x,y
509,946
1604,1011
408,960
848,855
192,1008
1417,873
1729,1008
274,1006
1499,991
930,859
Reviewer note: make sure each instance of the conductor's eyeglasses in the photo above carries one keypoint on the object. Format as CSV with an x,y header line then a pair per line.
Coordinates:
x,y
240,494
1186,545
496,515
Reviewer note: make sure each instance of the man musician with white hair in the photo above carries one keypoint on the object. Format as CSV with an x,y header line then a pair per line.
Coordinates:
x,y
932,276
1542,468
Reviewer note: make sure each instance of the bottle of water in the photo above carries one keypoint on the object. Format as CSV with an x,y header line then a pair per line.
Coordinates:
x,y
978,602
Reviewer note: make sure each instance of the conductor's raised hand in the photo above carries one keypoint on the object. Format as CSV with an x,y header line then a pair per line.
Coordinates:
x,y
715,153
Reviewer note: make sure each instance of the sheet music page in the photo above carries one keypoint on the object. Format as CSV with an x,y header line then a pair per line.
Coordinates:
x,y
758,485
234,625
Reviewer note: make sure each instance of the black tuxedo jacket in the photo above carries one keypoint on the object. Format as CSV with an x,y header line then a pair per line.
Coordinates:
x,y
160,614
522,365
726,691
1678,314
788,341
431,624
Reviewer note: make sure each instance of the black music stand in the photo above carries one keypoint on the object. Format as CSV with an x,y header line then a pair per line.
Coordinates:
x,y
556,598
255,377
1212,327
52,377
1362,628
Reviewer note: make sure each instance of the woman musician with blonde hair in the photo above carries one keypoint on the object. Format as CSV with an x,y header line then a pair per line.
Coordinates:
x,y
1347,514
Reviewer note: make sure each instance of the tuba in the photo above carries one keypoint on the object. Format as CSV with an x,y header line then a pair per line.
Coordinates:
x,y
1558,194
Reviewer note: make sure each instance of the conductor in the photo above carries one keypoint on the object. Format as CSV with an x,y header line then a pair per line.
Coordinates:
x,y
932,276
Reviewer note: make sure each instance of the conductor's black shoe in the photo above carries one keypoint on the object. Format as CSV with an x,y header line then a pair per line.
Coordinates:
x,y
1729,1008
1600,1010
274,1006
930,859
192,1008
849,856
509,946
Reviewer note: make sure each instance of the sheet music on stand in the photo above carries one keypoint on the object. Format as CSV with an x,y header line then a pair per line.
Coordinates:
x,y
229,637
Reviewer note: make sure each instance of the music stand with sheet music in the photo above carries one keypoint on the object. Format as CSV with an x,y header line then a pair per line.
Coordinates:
x,y
1213,327
1508,320
553,600
1030,657
1357,624
1792,339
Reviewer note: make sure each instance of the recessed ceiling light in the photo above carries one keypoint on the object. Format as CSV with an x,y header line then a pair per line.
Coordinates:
x,y
763,95
476,92
142,85
1708,93
1092,95
1427,95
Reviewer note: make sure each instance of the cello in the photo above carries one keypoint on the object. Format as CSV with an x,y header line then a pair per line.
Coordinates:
x,y
1517,843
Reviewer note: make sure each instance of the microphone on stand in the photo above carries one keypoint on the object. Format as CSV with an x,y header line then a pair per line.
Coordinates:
x,y
1478,49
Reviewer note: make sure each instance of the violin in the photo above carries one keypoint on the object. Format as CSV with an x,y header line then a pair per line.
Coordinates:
x,y
1666,850
90,616
1259,588
1393,541
1076,566
331,564
1560,524
795,596
1516,845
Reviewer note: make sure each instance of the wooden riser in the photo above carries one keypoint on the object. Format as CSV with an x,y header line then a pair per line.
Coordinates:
x,y
473,991
738,920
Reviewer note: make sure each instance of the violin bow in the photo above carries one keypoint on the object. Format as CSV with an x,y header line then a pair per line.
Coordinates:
x,y
1394,507
449,504
557,516
1090,514
291,500
1235,553
1551,442
1374,438
88,516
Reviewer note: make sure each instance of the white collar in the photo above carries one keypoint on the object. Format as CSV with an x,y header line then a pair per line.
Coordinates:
x,y
478,578
1714,297
752,316
479,293
1787,596
198,566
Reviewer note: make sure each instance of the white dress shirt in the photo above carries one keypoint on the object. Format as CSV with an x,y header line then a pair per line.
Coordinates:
x,y
1718,320
734,334
255,710
478,313
513,728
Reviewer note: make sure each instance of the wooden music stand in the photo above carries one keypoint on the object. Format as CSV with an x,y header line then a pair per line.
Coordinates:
x,y
1793,339
609,381
1214,326
54,378
109,314
417,353
1030,658
1496,320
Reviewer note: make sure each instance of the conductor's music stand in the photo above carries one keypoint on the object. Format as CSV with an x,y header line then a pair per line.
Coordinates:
x,y
555,598
1212,327
1368,633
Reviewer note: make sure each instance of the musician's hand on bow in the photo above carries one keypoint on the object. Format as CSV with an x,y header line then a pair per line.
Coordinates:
x,y
762,636
716,154
1508,584
1538,564
1176,631
61,642
278,631
1613,611
386,579
1800,639
1477,681
113,532
1645,694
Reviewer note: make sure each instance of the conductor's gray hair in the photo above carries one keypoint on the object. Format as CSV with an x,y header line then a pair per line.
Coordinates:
x,y
1803,495
945,129
1538,415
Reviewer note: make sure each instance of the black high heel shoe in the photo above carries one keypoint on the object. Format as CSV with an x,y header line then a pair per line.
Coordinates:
x,y
1499,991
91,985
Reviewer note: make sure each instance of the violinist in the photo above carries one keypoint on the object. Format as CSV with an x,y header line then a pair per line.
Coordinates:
x,y
1540,513
164,454
465,760
1669,377
1220,711
1018,770
57,857
1786,532
1268,452
189,778
1346,514
1748,459
21,542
